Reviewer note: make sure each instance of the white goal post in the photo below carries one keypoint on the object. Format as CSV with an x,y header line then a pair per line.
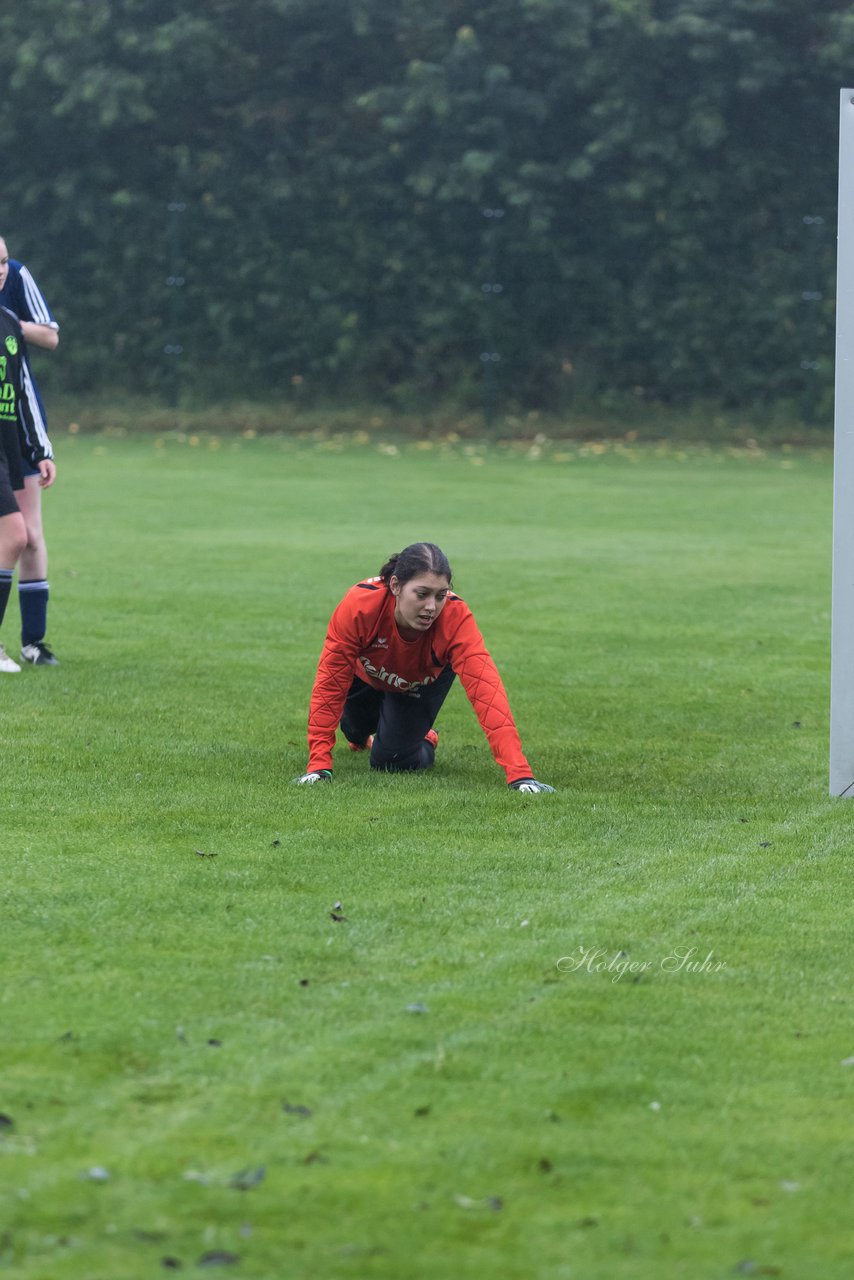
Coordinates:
x,y
842,627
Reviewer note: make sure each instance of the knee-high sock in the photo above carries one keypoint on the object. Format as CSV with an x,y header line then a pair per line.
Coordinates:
x,y
33,596
5,588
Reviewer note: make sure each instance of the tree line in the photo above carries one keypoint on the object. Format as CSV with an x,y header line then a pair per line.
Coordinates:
x,y
544,202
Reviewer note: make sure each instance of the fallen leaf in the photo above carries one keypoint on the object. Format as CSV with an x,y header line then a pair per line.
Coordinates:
x,y
214,1043
490,1202
171,1264
201,854
249,1177
339,919
296,1110
314,1157
466,1202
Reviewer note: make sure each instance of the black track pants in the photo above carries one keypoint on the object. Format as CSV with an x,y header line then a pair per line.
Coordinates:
x,y
398,722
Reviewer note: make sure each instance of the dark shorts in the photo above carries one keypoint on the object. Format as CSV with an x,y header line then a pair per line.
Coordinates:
x,y
398,722
11,477
8,502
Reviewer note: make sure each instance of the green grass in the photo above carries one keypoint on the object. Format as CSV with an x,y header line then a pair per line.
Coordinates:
x,y
428,1092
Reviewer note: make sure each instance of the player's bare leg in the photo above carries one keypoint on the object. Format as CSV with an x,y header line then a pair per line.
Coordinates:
x,y
13,539
32,577
33,562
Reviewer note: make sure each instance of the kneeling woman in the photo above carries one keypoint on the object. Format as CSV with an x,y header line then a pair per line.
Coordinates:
x,y
394,645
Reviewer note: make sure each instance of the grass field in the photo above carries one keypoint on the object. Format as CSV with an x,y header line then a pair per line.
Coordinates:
x,y
599,1035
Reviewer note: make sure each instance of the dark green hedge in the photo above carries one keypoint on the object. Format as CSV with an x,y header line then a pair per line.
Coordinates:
x,y
614,197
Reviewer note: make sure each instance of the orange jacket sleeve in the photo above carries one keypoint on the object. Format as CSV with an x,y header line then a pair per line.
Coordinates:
x,y
479,676
332,683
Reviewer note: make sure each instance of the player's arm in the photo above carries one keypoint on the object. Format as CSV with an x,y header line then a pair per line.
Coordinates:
x,y
46,467
47,472
331,686
35,444
34,315
45,336
484,688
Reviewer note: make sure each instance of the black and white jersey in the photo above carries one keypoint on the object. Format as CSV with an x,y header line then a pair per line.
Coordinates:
x,y
17,428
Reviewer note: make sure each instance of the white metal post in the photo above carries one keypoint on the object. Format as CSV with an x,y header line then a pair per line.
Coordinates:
x,y
842,630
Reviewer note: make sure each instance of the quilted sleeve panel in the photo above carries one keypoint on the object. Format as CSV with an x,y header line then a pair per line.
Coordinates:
x,y
332,684
479,676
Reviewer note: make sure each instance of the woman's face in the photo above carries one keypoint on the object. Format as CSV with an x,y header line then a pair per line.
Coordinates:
x,y
419,601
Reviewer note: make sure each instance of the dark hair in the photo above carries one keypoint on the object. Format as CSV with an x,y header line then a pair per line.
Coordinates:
x,y
420,557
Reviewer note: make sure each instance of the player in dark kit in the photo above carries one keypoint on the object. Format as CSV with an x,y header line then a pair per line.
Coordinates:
x,y
393,648
20,293
16,427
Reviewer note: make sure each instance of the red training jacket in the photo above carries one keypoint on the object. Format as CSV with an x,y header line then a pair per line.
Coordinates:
x,y
363,640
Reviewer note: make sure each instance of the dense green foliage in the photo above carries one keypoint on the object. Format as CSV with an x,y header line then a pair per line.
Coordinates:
x,y
354,178
198,1060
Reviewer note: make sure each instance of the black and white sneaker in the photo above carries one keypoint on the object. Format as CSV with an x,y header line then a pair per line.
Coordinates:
x,y
38,655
